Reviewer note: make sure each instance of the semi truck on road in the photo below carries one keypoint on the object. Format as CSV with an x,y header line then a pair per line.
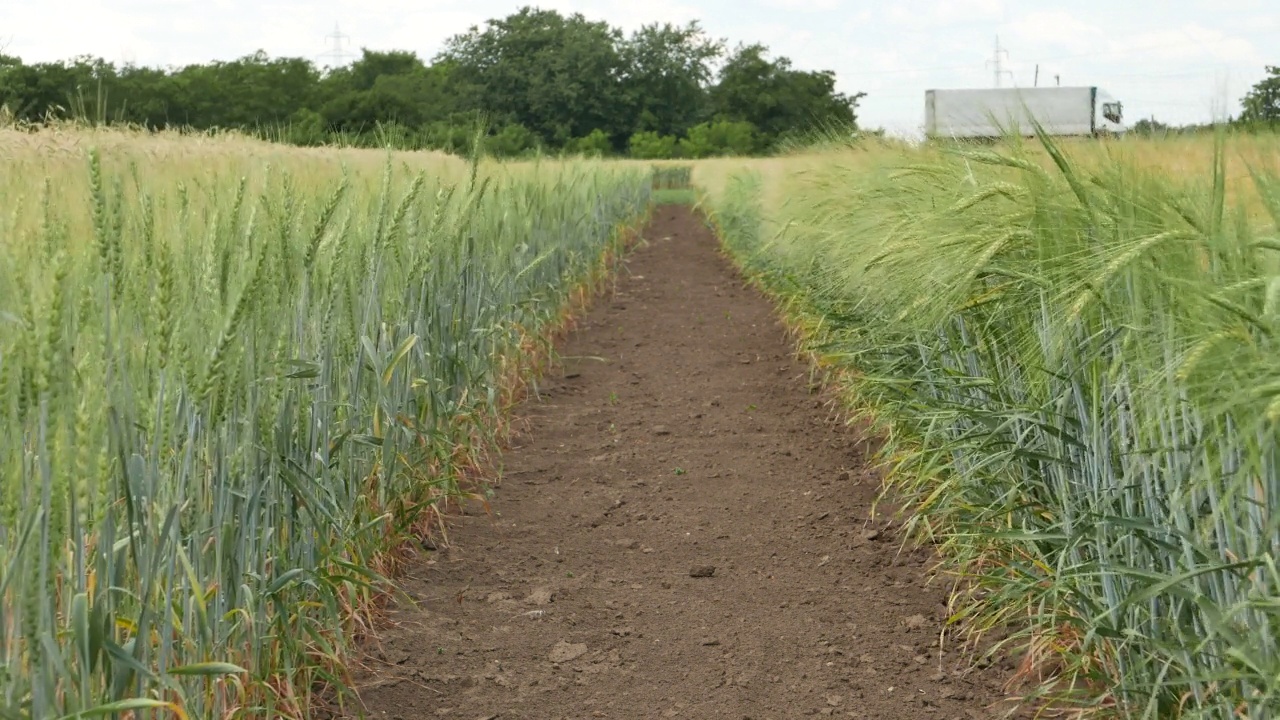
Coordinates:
x,y
996,112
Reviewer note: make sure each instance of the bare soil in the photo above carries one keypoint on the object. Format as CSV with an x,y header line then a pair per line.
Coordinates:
x,y
682,531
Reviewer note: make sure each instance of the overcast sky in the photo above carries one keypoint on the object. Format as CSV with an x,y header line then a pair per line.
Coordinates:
x,y
1179,60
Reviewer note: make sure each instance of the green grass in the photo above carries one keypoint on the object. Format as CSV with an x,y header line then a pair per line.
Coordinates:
x,y
672,185
673,196
1074,365
233,389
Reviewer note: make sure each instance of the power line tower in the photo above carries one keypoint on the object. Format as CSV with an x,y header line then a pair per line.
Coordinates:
x,y
336,56
997,63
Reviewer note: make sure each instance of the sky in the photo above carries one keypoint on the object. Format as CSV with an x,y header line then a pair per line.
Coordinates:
x,y
1178,61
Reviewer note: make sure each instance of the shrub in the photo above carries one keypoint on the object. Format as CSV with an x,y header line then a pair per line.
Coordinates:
x,y
649,145
722,137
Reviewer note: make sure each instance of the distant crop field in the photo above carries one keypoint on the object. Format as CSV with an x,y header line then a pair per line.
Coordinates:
x,y
1071,351
235,380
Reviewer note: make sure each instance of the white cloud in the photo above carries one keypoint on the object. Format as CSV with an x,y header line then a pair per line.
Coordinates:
x,y
1192,43
951,11
1057,30
802,5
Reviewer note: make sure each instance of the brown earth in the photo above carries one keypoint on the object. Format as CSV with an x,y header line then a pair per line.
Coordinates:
x,y
682,531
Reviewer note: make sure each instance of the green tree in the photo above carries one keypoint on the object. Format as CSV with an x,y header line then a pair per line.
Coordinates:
x,y
537,77
306,128
557,76
511,141
595,144
144,96
668,72
1150,126
1262,103
778,99
384,87
250,92
34,92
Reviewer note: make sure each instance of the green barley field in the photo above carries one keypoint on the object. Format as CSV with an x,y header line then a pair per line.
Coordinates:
x,y
239,382
235,382
1071,351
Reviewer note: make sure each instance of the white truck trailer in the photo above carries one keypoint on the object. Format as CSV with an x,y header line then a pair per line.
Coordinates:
x,y
995,112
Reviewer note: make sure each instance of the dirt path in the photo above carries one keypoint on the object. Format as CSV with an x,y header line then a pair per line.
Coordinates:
x,y
682,437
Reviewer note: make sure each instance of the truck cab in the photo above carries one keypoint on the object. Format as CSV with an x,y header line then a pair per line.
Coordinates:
x,y
1110,115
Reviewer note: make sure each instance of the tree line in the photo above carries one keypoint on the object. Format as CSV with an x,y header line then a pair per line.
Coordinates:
x,y
536,80
1262,103
1260,110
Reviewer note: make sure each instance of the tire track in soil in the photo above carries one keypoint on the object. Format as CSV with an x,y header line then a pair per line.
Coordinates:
x,y
681,435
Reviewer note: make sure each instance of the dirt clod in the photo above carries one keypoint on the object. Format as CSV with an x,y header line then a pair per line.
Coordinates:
x,y
563,652
702,571
541,596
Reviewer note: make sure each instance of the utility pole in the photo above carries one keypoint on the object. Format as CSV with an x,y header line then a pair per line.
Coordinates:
x,y
336,55
997,62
